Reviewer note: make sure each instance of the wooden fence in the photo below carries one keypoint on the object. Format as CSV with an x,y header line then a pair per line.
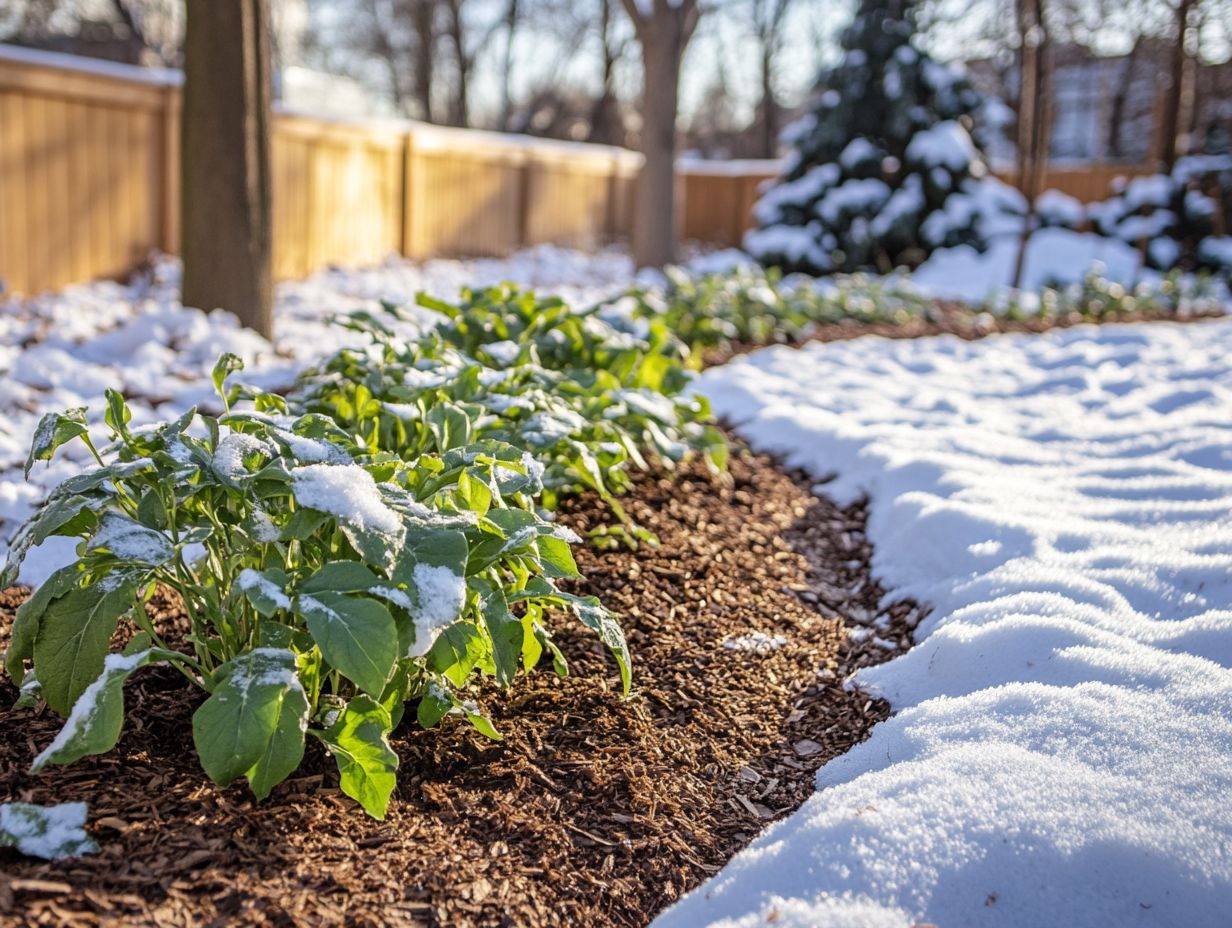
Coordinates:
x,y
89,181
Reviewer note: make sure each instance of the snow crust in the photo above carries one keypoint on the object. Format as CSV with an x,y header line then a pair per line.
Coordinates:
x,y
348,492
1059,752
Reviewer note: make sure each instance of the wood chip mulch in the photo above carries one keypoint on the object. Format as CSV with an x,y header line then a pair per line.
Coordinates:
x,y
593,811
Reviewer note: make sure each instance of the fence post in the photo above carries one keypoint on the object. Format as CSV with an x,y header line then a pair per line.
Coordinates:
x,y
169,233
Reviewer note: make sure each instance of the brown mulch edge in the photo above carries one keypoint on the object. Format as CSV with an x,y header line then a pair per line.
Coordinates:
x,y
592,811
958,319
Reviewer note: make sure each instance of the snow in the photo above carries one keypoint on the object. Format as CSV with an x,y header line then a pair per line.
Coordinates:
x,y
250,579
1058,753
347,492
442,594
1060,209
50,832
1053,256
946,144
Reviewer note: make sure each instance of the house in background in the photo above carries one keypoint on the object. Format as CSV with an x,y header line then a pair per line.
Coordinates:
x,y
1108,108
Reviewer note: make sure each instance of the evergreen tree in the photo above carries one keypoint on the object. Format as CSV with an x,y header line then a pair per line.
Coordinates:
x,y
883,169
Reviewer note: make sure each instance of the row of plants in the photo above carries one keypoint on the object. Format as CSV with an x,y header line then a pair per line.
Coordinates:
x,y
369,542
750,306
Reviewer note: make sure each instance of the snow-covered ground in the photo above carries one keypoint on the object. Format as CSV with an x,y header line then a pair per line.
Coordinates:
x,y
1060,749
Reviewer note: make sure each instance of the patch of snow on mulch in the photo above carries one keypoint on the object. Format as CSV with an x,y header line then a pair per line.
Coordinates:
x,y
1060,749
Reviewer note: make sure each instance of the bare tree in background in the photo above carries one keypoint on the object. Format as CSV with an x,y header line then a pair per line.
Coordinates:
x,y
1178,100
1034,116
225,166
768,17
606,125
663,29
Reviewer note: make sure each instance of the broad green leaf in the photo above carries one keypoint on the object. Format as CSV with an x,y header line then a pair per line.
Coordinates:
x,y
29,614
71,641
265,589
94,725
456,652
450,426
54,430
285,750
129,540
340,577
234,728
367,765
356,635
50,832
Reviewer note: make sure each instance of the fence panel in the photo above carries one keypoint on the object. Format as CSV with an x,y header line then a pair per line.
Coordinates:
x,y
81,174
89,182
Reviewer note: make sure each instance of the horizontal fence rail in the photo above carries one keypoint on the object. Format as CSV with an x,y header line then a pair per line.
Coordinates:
x,y
89,182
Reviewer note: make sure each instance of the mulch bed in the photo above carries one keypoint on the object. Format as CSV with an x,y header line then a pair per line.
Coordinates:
x,y
958,319
593,811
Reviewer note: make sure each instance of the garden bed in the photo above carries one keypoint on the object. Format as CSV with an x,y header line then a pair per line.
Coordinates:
x,y
591,811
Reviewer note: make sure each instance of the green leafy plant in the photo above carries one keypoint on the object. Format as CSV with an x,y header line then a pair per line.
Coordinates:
x,y
584,398
751,306
326,584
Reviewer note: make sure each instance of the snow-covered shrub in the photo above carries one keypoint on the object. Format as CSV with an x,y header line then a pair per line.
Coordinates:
x,y
1055,209
883,169
1175,217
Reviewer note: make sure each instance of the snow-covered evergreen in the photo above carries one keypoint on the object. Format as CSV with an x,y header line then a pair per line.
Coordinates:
x,y
883,169
1181,218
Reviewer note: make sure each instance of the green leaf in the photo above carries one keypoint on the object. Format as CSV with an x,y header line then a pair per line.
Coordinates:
x,y
94,725
29,615
356,635
285,750
72,637
227,363
505,630
556,557
54,430
456,652
118,415
50,832
367,765
265,589
234,728
129,540
450,426
340,577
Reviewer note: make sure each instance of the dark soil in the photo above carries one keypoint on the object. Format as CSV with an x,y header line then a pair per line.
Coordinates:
x,y
593,811
954,318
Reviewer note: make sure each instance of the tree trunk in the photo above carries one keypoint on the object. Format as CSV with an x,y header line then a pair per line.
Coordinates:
x,y
459,109
1120,98
1033,118
768,107
654,220
225,166
511,28
423,23
1174,102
